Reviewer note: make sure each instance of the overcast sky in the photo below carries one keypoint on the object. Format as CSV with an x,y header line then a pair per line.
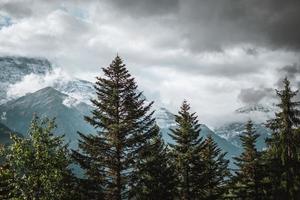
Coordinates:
x,y
219,55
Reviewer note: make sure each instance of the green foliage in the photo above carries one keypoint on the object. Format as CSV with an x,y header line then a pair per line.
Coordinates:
x,y
37,167
127,159
124,127
187,154
248,182
284,145
216,171
156,175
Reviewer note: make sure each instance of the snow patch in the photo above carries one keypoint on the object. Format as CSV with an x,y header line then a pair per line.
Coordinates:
x,y
70,102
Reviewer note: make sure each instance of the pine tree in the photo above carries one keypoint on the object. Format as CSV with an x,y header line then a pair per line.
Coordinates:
x,y
155,176
284,145
37,167
248,180
216,170
186,151
124,126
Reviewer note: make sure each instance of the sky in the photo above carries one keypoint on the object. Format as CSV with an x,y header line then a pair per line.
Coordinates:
x,y
218,55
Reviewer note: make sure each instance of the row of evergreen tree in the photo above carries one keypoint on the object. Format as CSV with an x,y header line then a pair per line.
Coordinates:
x,y
127,159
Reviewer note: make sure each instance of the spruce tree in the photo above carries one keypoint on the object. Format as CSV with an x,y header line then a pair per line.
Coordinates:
x,y
186,152
284,145
123,125
216,170
156,175
248,180
37,167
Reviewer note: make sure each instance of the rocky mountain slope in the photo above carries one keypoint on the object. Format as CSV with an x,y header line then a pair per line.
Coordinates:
x,y
50,103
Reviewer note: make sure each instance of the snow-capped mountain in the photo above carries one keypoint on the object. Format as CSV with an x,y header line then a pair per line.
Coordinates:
x,y
164,118
232,131
256,108
50,103
259,114
81,90
68,99
13,69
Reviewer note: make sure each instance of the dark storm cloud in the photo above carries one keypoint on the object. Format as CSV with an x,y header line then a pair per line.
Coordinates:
x,y
146,7
16,9
218,24
292,72
255,96
214,25
251,51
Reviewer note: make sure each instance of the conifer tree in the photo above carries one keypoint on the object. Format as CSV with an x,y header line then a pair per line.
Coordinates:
x,y
248,180
216,170
124,126
155,176
284,145
37,167
186,152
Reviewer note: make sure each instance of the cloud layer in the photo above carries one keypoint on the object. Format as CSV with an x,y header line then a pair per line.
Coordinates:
x,y
218,54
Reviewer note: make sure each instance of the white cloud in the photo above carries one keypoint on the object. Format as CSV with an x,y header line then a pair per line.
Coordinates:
x,y
83,36
33,82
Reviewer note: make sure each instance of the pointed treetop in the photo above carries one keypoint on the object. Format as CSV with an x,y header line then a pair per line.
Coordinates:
x,y
185,106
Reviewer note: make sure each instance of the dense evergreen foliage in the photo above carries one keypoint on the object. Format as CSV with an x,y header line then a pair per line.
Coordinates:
x,y
187,154
124,127
156,176
37,167
126,157
249,177
216,170
284,145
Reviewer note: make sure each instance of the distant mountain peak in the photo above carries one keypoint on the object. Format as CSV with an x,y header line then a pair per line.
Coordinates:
x,y
255,108
14,69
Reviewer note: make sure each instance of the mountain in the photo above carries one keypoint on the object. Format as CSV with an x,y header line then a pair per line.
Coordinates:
x,y
68,100
50,103
166,120
13,69
232,131
258,113
256,108
5,134
81,90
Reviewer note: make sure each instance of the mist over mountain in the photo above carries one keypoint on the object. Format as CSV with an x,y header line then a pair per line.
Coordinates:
x,y
68,100
13,70
259,113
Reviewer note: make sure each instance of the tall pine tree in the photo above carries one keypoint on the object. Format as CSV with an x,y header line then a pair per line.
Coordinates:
x,y
216,170
249,177
186,152
124,126
284,145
